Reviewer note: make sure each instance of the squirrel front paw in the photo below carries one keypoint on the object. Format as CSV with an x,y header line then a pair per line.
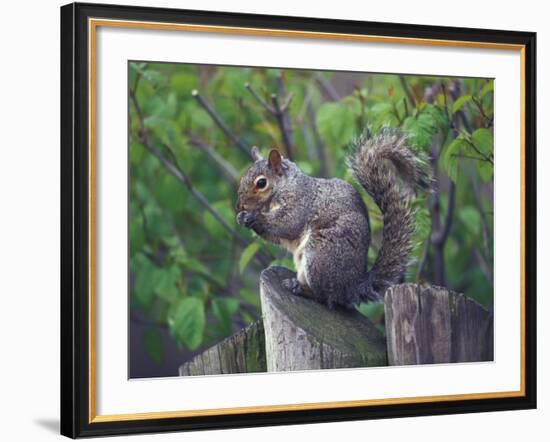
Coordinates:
x,y
245,218
250,221
293,286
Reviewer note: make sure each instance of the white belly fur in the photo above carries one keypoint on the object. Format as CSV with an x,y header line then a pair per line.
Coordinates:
x,y
297,248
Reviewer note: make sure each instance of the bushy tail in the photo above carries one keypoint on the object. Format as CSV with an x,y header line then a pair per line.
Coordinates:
x,y
377,163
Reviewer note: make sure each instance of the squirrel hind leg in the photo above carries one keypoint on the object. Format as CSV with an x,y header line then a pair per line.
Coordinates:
x,y
294,286
366,290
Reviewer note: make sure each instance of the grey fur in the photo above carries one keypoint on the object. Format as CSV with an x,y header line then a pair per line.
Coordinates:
x,y
326,224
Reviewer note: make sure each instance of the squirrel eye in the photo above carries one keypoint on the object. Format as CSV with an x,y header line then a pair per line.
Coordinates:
x,y
261,183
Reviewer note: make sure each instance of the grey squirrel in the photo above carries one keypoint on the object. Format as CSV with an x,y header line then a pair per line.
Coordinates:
x,y
324,223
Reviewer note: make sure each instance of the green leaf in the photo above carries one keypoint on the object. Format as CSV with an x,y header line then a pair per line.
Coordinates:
x,y
194,265
422,229
373,310
137,236
247,255
143,290
284,262
439,117
336,121
223,310
171,105
460,102
250,297
155,78
488,87
165,283
483,140
485,170
381,115
471,219
184,82
305,166
225,210
152,342
187,322
422,127
449,159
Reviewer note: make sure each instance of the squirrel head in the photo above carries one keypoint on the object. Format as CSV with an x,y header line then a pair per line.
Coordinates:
x,y
258,184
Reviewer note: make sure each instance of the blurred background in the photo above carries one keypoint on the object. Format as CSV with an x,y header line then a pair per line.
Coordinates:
x,y
193,272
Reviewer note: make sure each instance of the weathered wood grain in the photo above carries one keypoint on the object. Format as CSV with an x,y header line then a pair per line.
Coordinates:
x,y
424,325
244,352
429,325
301,334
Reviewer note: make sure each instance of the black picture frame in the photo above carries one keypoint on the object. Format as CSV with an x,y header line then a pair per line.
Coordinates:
x,y
75,194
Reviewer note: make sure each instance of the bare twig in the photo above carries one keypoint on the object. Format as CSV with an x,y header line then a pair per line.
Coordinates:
x,y
481,154
439,237
439,232
259,99
319,145
471,157
287,101
423,259
226,168
278,110
465,122
179,174
327,88
407,91
455,92
284,126
488,120
406,106
219,122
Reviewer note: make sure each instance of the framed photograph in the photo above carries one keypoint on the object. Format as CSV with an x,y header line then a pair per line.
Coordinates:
x,y
274,220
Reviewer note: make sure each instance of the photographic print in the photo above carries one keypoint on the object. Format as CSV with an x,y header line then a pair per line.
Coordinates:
x,y
282,220
290,219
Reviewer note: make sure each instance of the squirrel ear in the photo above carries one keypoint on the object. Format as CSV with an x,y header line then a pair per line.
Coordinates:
x,y
255,153
275,161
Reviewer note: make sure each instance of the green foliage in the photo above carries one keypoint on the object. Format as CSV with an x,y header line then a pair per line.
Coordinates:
x,y
187,322
336,122
460,102
190,274
422,127
247,255
223,310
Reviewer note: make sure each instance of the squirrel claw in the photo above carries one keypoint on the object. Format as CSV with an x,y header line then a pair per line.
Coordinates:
x,y
243,218
293,286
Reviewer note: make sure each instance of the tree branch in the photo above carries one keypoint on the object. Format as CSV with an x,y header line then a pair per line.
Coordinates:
x,y
439,232
259,99
279,112
407,91
488,120
455,92
226,168
473,146
327,88
319,145
219,122
423,259
441,235
284,126
179,174
471,157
